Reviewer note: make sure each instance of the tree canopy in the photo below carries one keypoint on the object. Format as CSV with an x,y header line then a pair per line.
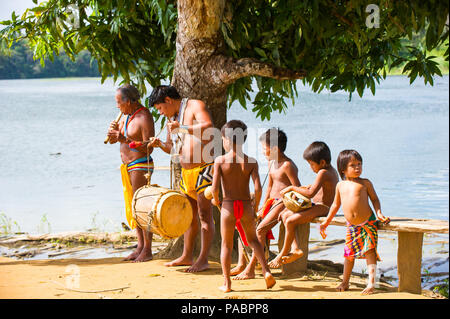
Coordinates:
x,y
339,45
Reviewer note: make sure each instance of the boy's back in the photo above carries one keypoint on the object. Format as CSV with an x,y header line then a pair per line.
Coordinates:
x,y
235,174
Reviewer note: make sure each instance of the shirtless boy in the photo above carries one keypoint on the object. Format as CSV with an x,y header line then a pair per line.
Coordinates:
x,y
138,125
282,173
233,170
353,193
188,119
321,192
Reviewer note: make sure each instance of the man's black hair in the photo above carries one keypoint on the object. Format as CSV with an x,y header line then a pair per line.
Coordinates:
x,y
160,93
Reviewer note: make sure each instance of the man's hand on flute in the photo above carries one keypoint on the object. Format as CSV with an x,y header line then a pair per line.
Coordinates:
x,y
113,132
172,125
154,142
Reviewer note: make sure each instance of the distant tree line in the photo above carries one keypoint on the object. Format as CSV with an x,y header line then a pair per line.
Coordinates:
x,y
19,64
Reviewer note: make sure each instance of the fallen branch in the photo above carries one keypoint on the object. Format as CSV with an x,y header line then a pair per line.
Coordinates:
x,y
68,252
88,291
435,274
74,236
27,253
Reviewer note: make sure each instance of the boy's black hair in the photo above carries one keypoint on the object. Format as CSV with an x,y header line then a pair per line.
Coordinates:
x,y
160,93
343,158
274,137
232,129
316,152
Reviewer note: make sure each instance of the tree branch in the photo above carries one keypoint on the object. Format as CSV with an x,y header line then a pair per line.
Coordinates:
x,y
227,70
337,15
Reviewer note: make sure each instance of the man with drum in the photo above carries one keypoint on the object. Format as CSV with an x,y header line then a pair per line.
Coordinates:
x,y
138,125
187,121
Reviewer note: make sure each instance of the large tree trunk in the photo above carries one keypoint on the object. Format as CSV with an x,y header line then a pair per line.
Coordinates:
x,y
198,43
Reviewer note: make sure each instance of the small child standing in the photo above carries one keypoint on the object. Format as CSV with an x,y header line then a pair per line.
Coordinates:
x,y
321,193
361,239
233,170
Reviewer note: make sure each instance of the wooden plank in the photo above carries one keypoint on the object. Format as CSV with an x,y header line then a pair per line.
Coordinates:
x,y
409,262
400,224
302,236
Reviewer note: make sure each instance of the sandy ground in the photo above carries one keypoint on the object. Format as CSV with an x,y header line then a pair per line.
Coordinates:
x,y
54,279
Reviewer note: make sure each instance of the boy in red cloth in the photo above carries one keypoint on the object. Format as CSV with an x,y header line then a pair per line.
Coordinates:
x,y
233,170
282,173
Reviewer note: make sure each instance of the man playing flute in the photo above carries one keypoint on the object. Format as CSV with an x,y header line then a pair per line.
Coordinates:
x,y
138,125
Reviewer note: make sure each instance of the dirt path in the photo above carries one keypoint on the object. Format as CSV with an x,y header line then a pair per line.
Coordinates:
x,y
112,278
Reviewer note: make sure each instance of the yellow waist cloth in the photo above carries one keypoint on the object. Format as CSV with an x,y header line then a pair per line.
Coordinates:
x,y
128,195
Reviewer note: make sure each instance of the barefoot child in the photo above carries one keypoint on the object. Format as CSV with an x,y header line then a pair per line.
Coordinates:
x,y
234,170
321,192
353,193
282,173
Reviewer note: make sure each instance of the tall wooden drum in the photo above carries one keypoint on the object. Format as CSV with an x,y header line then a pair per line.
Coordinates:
x,y
161,210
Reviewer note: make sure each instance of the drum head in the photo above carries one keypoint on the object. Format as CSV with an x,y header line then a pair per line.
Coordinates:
x,y
174,214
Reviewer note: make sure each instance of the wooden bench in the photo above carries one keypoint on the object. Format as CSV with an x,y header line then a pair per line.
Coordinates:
x,y
409,252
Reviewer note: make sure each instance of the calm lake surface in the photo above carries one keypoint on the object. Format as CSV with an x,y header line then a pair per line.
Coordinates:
x,y
57,175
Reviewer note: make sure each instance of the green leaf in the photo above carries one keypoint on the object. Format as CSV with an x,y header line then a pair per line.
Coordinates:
x,y
372,85
261,52
360,87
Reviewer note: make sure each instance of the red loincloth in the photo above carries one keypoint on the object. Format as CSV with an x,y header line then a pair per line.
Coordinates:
x,y
238,208
267,206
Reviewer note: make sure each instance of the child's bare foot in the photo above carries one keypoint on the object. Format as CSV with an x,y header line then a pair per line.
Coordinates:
x,y
342,287
133,255
292,256
246,274
180,261
199,265
237,270
276,262
368,290
270,281
225,289
145,255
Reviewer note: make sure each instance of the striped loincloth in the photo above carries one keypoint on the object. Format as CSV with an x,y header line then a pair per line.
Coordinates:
x,y
141,164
